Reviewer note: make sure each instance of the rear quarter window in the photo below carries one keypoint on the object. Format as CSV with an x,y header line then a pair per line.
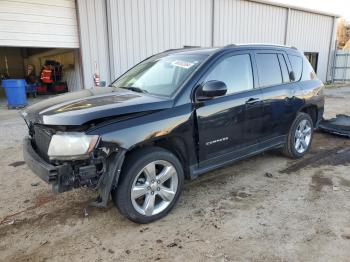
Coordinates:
x,y
308,71
297,66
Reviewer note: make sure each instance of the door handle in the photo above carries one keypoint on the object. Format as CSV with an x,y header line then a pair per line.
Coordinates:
x,y
252,101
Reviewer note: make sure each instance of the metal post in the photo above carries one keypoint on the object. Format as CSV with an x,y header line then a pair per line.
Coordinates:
x,y
345,67
332,41
212,22
334,62
286,27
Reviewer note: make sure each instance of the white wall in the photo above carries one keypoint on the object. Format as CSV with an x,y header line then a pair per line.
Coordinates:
x,y
92,17
139,28
120,33
311,33
38,23
239,21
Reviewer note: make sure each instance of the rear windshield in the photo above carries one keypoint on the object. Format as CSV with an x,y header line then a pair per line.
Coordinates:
x,y
160,75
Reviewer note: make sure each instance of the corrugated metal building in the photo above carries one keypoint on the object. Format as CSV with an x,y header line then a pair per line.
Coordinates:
x,y
38,23
120,33
110,36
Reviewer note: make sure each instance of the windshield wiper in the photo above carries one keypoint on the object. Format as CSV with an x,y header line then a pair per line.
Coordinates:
x,y
135,89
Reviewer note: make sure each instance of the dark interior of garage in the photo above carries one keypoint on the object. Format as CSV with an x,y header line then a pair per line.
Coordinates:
x,y
45,70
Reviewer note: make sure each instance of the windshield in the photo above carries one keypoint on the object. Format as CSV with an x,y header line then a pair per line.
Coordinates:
x,y
160,76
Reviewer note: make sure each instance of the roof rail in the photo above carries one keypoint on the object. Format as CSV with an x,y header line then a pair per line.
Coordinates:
x,y
259,44
229,45
180,48
171,49
192,46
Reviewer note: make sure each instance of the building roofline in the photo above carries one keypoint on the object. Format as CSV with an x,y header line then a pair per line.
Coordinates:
x,y
293,7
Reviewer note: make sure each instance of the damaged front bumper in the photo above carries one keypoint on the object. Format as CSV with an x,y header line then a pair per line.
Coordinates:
x,y
49,173
67,176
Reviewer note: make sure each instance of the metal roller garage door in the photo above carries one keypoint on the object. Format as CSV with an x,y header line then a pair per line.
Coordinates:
x,y
38,23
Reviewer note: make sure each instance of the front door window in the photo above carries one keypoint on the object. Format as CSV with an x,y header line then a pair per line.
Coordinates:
x,y
235,71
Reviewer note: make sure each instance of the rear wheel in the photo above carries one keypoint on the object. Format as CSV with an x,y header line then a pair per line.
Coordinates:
x,y
299,137
151,182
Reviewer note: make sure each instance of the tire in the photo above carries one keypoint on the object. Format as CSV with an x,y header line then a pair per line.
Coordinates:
x,y
137,175
290,148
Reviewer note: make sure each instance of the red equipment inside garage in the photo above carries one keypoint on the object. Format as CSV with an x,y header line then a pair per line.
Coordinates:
x,y
51,76
45,70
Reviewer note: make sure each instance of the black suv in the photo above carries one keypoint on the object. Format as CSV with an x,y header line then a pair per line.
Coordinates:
x,y
174,116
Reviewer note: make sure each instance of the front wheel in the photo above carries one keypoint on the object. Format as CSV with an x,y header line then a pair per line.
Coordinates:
x,y
299,137
150,185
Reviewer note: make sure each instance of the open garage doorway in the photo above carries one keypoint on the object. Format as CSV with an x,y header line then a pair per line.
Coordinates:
x,y
47,71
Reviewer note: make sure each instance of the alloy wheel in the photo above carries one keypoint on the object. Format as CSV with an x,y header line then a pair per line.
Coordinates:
x,y
302,136
154,188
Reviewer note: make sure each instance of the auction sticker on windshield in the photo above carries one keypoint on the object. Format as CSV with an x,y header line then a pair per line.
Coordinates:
x,y
183,64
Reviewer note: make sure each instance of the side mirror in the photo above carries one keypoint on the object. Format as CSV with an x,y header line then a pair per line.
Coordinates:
x,y
210,90
292,76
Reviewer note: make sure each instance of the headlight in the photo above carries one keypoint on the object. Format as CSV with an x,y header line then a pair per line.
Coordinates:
x,y
71,145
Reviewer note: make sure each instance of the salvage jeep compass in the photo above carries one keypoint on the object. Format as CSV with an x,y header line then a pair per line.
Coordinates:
x,y
174,116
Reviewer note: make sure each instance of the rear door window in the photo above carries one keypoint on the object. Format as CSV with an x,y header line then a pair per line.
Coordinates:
x,y
297,66
268,69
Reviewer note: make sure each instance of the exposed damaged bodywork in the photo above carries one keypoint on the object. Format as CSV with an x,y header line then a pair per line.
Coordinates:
x,y
82,107
340,125
99,172
100,116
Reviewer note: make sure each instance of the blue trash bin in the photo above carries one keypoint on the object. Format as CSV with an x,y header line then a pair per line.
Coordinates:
x,y
15,92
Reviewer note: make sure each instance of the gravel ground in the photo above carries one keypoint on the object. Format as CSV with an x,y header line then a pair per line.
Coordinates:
x,y
267,208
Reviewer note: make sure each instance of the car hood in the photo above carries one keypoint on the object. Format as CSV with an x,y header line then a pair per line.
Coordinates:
x,y
80,107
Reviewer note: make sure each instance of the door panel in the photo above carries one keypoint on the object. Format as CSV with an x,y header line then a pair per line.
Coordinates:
x,y
278,109
253,117
277,91
228,123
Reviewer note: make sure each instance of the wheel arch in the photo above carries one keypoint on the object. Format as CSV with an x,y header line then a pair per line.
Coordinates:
x,y
312,111
174,144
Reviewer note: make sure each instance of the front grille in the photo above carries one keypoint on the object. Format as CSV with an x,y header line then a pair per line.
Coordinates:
x,y
42,138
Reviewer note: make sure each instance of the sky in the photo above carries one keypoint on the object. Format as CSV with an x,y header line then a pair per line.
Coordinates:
x,y
341,7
